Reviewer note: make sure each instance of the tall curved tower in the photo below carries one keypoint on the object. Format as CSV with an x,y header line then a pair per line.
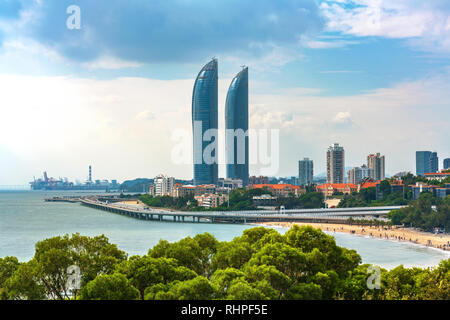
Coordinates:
x,y
204,117
236,122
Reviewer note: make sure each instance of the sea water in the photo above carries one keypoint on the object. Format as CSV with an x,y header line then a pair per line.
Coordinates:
x,y
26,218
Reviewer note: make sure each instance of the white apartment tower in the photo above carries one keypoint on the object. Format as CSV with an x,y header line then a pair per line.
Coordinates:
x,y
335,164
163,185
376,162
357,174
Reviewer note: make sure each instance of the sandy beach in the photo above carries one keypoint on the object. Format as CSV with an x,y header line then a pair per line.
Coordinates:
x,y
439,241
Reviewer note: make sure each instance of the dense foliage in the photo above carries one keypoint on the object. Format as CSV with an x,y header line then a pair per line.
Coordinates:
x,y
239,199
421,214
367,198
187,203
304,263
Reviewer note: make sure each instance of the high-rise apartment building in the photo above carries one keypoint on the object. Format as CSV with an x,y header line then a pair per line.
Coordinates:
x,y
335,164
434,162
357,174
204,118
446,163
376,163
163,185
236,134
305,172
426,162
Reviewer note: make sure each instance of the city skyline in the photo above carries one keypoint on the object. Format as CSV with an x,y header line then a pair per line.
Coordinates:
x,y
321,71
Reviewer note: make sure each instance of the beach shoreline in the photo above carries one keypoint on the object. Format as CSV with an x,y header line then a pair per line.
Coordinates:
x,y
395,233
408,235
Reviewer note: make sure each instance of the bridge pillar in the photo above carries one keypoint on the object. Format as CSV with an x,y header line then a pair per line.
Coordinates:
x,y
212,219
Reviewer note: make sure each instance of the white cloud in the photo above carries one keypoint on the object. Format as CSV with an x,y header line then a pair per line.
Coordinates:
x,y
325,43
111,63
427,23
342,117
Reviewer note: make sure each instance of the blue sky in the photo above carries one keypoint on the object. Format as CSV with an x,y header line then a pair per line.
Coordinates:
x,y
370,74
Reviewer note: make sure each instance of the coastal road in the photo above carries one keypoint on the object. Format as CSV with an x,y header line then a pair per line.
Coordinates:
x,y
323,215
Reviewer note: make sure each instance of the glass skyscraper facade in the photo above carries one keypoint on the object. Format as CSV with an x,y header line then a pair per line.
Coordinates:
x,y
205,117
236,123
422,162
447,163
434,162
305,172
426,162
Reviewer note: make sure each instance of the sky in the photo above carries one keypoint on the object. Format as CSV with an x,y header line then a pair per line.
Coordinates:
x,y
372,75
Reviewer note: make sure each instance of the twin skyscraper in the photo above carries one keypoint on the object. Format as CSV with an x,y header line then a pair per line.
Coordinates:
x,y
205,126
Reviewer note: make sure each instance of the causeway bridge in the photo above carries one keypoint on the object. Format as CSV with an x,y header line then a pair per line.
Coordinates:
x,y
334,215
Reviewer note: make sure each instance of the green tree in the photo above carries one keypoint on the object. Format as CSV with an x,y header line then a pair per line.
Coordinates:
x,y
193,253
397,216
24,283
145,271
198,288
385,188
109,287
305,291
241,290
8,266
223,279
55,255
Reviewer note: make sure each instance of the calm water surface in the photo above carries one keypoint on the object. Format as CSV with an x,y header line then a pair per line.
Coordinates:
x,y
25,219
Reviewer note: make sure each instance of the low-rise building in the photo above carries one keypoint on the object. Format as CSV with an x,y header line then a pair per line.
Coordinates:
x,y
440,176
258,180
180,190
396,186
264,200
230,183
211,200
437,191
205,189
281,190
328,189
420,187
442,192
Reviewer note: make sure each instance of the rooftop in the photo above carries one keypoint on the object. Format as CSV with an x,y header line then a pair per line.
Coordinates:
x,y
275,186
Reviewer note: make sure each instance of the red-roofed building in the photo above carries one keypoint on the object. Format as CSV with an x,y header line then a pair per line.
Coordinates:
x,y
368,184
329,189
179,190
440,176
281,190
